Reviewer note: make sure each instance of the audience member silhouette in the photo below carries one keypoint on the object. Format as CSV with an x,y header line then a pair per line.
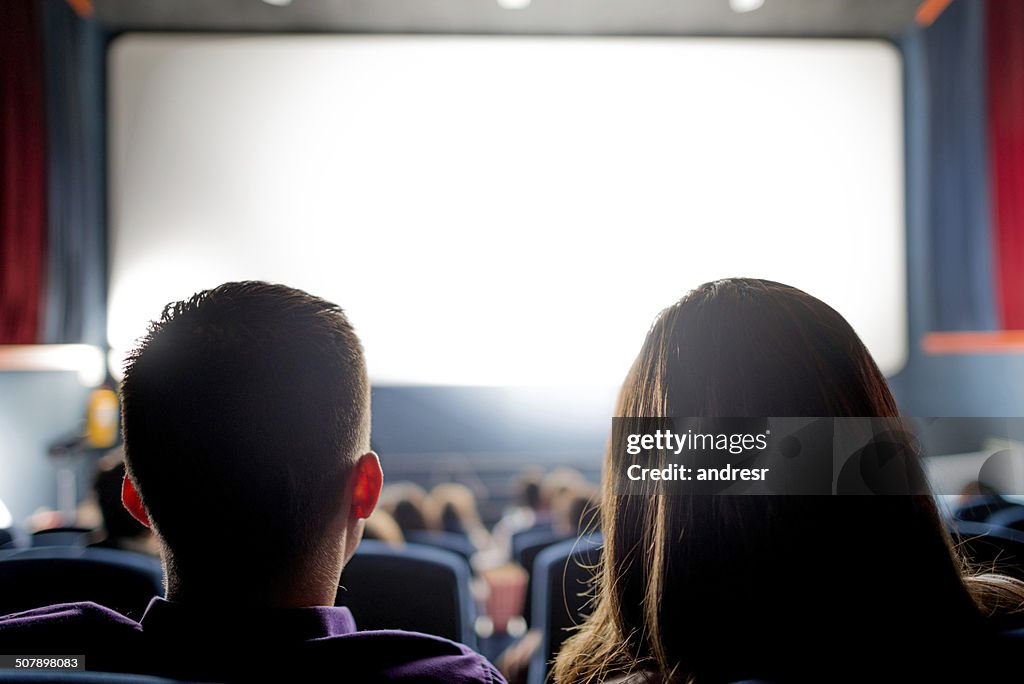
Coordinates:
x,y
705,588
246,419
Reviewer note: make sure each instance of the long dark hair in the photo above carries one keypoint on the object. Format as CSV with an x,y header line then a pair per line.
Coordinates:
x,y
713,588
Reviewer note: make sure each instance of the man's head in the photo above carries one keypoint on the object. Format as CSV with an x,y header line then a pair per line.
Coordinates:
x,y
246,424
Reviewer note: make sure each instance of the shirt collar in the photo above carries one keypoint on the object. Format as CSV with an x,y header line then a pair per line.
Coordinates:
x,y
293,624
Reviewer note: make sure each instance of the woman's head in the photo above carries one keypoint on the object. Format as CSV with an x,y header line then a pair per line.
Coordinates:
x,y
405,502
451,507
746,347
706,584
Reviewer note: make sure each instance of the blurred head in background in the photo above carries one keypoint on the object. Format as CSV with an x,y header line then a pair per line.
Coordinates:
x,y
451,507
554,484
404,501
528,488
381,526
573,511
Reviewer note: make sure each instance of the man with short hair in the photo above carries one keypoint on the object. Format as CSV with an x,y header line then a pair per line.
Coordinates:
x,y
246,419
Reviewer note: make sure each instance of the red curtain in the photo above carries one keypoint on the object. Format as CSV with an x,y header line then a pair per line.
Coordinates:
x,y
22,172
1005,28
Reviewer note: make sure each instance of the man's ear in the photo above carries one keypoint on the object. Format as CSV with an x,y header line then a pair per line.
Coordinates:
x,y
131,501
367,480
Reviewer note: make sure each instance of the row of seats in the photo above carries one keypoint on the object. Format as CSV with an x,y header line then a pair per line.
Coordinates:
x,y
416,587
56,536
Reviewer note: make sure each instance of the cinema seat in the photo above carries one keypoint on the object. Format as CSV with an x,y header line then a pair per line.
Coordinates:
x,y
991,548
1011,517
528,551
28,677
561,578
449,541
61,536
528,543
531,535
121,580
982,509
417,588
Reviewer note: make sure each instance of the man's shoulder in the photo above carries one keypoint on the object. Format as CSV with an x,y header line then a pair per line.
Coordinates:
x,y
77,624
67,616
112,641
395,655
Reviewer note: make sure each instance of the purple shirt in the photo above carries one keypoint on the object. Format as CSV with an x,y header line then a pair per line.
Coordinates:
x,y
232,644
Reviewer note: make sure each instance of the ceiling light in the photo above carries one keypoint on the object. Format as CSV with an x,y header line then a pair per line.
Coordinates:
x,y
278,3
514,4
742,6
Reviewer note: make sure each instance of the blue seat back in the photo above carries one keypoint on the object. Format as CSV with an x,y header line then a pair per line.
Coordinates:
x,y
528,537
1011,517
530,548
992,548
982,508
61,536
121,580
416,588
30,677
561,580
449,541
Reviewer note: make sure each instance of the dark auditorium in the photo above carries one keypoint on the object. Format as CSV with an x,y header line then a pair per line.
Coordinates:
x,y
512,341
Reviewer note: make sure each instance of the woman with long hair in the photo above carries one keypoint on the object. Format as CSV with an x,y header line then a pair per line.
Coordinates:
x,y
717,588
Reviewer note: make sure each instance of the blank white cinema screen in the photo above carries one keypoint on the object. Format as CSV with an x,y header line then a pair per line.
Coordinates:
x,y
495,211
